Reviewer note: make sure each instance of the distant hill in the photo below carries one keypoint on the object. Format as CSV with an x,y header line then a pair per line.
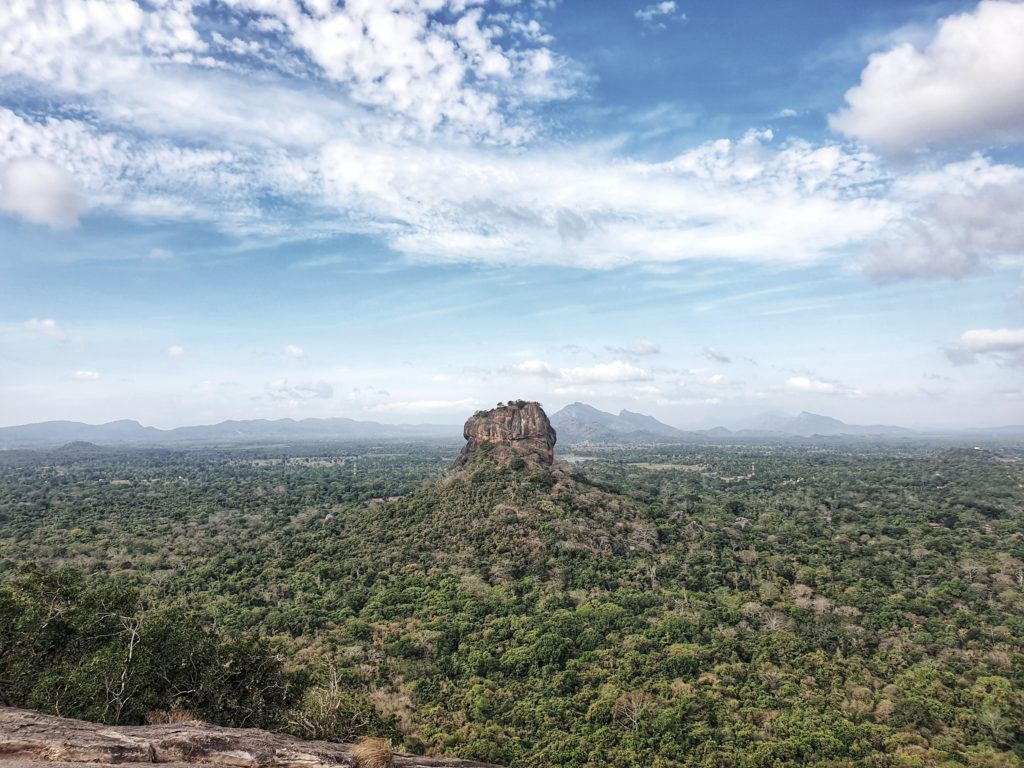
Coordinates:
x,y
807,424
580,422
51,434
575,423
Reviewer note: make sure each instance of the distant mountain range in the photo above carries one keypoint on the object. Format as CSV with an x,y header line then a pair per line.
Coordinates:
x,y
574,423
580,422
49,434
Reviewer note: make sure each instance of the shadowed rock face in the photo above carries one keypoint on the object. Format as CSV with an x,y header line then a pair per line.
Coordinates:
x,y
516,430
29,739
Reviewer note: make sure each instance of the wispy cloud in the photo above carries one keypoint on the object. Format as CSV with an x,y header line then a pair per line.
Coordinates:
x,y
175,351
48,328
617,371
638,348
718,357
281,389
656,15
426,406
604,373
821,387
534,368
294,352
85,375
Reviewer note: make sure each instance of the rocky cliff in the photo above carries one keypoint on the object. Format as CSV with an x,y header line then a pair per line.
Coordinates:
x,y
29,739
516,430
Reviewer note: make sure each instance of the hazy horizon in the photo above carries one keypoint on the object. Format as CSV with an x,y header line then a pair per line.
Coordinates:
x,y
404,211
739,421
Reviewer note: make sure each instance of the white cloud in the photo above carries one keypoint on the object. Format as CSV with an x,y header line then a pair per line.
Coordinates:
x,y
718,357
958,219
967,85
1003,345
534,368
604,373
821,387
340,124
47,328
431,65
735,200
655,15
424,406
85,375
175,351
40,192
636,349
294,393
294,352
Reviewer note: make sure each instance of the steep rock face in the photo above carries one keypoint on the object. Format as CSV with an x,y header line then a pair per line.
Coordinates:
x,y
29,739
516,430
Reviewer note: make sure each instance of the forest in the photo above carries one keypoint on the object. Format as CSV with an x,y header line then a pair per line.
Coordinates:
x,y
827,604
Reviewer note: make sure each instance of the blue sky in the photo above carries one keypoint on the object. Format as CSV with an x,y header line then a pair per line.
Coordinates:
x,y
403,210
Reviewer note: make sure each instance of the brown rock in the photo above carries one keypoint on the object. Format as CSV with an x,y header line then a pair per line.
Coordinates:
x,y
517,430
30,739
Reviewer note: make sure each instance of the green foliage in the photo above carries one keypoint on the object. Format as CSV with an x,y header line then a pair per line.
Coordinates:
x,y
761,605
91,650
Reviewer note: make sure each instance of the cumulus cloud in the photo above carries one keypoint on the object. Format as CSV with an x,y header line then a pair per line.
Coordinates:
x,y
718,357
637,349
821,387
966,86
85,375
657,14
48,328
1004,346
294,352
40,192
175,351
959,219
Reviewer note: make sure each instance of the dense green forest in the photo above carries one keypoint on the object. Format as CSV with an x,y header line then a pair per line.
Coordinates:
x,y
752,605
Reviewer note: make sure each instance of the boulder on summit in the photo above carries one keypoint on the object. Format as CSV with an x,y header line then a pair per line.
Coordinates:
x,y
516,430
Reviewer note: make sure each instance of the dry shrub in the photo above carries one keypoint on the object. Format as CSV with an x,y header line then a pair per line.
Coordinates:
x,y
171,716
372,753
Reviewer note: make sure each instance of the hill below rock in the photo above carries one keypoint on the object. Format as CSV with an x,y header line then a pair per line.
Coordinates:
x,y
29,738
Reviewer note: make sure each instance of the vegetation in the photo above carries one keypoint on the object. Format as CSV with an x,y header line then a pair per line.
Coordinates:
x,y
751,605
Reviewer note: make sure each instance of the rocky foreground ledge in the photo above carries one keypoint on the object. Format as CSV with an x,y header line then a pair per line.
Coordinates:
x,y
30,738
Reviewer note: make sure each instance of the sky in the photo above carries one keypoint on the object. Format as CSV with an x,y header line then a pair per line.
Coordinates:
x,y
406,210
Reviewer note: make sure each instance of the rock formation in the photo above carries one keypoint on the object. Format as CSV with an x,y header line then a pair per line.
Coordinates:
x,y
30,739
516,430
